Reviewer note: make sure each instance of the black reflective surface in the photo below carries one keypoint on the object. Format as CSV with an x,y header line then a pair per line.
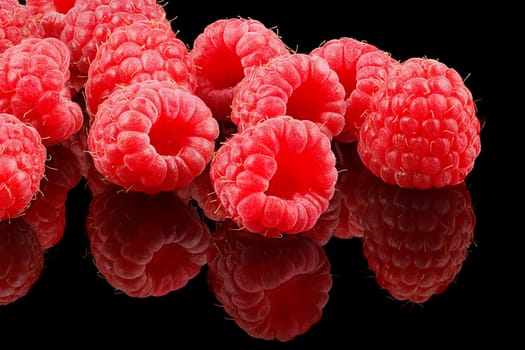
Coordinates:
x,y
403,267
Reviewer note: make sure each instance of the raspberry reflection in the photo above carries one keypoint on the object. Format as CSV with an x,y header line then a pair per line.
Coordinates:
x,y
273,288
146,245
415,241
21,259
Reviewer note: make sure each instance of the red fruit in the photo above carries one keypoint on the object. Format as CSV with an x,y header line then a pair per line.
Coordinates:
x,y
343,55
146,245
275,177
89,23
422,131
22,165
21,260
152,136
33,76
299,85
17,23
274,289
143,50
224,54
50,14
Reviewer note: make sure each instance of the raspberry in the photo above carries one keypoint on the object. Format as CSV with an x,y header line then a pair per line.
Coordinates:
x,y
47,213
22,165
21,260
89,23
33,76
275,177
143,50
415,241
422,130
61,6
50,14
299,85
274,289
146,245
17,23
225,52
342,56
152,136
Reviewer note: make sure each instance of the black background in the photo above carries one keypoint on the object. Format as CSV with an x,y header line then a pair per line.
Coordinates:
x,y
71,304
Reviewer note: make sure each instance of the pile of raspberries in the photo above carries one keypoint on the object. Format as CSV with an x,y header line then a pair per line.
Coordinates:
x,y
237,111
236,123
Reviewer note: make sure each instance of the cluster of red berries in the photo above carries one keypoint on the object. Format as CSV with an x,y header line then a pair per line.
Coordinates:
x,y
237,122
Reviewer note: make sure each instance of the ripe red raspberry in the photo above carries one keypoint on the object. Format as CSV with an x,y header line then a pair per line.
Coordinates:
x,y
343,55
47,213
415,241
274,289
21,260
275,177
50,14
89,23
422,131
33,76
22,165
225,52
146,245
143,50
299,85
17,23
61,6
152,136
